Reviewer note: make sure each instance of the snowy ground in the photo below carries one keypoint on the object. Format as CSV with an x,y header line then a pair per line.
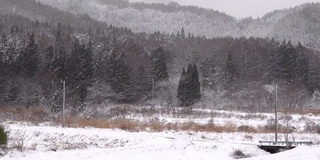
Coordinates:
x,y
56,143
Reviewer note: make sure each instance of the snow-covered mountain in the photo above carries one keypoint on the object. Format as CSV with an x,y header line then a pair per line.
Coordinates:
x,y
296,24
153,17
300,23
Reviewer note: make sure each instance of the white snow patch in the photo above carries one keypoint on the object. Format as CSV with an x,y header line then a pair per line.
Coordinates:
x,y
56,143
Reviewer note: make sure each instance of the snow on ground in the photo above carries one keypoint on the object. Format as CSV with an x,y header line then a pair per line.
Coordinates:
x,y
221,117
56,143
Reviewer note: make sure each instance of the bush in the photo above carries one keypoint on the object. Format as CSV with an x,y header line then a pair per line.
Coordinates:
x,y
3,136
247,129
238,154
312,127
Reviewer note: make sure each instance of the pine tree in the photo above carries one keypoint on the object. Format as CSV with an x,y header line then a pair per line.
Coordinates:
x,y
183,34
79,73
29,59
231,73
195,84
3,48
142,85
189,86
313,75
49,58
287,62
60,56
118,76
207,70
159,66
1,28
273,68
302,65
182,93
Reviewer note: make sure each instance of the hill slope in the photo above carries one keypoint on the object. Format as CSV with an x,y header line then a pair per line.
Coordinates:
x,y
297,24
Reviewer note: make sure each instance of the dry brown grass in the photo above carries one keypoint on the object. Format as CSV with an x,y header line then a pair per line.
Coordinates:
x,y
124,124
210,127
32,114
301,111
154,126
254,116
37,115
247,129
157,126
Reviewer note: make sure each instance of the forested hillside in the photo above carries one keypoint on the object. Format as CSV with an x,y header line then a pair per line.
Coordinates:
x,y
299,24
41,46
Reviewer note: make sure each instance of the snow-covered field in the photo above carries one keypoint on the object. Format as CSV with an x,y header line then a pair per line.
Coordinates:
x,y
56,143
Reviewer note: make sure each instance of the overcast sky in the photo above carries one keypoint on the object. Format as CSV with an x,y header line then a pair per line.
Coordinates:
x,y
239,8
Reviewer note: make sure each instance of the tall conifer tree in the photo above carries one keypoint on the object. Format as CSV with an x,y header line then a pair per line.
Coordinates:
x,y
189,86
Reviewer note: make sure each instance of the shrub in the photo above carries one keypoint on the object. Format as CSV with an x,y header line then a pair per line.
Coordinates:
x,y
247,129
248,137
312,127
3,136
238,154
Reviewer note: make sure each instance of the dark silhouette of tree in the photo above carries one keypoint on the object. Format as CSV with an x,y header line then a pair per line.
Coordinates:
x,y
142,86
29,59
207,70
293,63
118,76
189,86
159,66
183,34
195,94
79,73
273,66
301,65
231,73
313,76
182,90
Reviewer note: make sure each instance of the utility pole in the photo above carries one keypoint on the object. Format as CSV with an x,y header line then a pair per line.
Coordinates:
x,y
275,113
152,92
63,101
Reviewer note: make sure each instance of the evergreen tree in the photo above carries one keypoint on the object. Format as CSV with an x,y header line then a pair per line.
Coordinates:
x,y
231,73
196,92
1,28
189,86
182,92
142,85
183,34
302,65
207,70
287,62
159,66
273,68
313,77
29,59
79,73
58,66
118,76
49,57
3,48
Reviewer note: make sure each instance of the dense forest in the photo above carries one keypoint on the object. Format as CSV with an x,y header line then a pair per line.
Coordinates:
x,y
299,24
101,63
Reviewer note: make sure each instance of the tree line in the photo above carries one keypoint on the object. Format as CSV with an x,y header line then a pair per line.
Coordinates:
x,y
114,64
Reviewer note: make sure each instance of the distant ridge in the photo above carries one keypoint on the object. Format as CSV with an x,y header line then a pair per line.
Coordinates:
x,y
298,24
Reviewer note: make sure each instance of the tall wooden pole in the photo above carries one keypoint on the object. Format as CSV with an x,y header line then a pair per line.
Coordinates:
x,y
275,113
63,101
153,92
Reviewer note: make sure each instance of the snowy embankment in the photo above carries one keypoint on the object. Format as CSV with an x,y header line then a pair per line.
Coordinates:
x,y
56,143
